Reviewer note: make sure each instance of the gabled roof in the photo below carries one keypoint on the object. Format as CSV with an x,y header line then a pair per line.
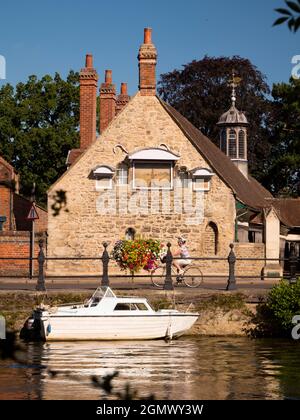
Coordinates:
x,y
288,210
73,155
9,173
248,191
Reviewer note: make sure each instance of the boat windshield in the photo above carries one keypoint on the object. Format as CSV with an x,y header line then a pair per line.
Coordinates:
x,y
100,293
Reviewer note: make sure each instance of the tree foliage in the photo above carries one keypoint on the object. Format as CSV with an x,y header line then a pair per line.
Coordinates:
x,y
283,174
39,123
290,15
201,92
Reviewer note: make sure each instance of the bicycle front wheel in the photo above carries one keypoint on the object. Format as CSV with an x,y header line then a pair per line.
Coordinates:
x,y
193,276
158,277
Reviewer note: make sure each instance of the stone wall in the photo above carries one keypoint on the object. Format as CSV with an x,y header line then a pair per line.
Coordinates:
x,y
249,250
81,229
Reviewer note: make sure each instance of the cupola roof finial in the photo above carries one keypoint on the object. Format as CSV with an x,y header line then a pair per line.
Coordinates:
x,y
234,82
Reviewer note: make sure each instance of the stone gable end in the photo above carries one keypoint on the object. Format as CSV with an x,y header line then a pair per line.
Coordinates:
x,y
80,230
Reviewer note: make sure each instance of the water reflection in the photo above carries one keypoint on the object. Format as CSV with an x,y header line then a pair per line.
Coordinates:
x,y
202,368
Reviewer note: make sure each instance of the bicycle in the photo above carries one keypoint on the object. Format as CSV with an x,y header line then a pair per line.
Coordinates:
x,y
192,276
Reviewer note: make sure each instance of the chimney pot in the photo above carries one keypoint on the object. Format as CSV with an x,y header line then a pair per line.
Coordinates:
x,y
89,61
147,65
147,36
108,77
123,88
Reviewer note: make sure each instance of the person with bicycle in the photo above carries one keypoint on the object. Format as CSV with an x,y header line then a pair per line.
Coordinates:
x,y
184,255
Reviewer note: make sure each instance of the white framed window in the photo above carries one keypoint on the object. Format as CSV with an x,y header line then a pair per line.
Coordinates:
x,y
152,175
103,176
232,148
103,183
201,184
122,175
202,179
242,144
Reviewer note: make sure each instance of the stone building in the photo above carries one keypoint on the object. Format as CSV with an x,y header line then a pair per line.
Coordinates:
x,y
151,173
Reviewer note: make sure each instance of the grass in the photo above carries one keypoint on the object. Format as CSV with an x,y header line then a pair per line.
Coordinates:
x,y
226,303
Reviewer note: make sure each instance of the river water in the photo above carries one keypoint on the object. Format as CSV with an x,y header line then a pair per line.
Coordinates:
x,y
190,368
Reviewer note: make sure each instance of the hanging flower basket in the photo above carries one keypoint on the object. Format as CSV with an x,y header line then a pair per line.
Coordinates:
x,y
137,255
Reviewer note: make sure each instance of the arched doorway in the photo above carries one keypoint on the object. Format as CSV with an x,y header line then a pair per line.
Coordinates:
x,y
211,239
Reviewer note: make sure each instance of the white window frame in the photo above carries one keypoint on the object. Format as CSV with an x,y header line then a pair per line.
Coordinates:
x,y
195,185
134,187
101,188
103,172
122,175
205,175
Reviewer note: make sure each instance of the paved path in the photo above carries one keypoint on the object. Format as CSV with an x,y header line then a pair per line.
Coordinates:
x,y
71,284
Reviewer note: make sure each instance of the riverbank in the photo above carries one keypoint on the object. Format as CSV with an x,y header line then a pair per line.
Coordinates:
x,y
221,313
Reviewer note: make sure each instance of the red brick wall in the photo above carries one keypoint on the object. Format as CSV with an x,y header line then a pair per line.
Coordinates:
x,y
107,101
5,206
21,209
147,79
147,65
16,245
88,94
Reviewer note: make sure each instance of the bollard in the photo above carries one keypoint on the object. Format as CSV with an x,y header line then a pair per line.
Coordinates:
x,y
105,262
231,285
40,287
293,260
168,280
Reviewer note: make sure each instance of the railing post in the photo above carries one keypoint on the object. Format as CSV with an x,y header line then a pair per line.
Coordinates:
x,y
168,280
293,264
231,285
40,287
105,262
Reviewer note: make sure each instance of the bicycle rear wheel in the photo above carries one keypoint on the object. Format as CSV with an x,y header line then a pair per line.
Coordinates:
x,y
158,277
193,276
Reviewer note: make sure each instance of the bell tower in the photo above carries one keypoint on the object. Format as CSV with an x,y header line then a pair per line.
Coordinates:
x,y
233,126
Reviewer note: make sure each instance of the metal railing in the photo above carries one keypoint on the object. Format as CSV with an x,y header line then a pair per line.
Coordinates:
x,y
105,259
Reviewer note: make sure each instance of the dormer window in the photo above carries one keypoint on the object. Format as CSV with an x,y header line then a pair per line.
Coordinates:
x,y
152,169
201,179
103,176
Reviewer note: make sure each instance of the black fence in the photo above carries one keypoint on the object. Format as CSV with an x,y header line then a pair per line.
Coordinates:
x,y
104,260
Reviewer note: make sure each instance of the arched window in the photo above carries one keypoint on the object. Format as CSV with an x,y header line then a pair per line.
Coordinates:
x,y
211,238
223,142
242,148
232,144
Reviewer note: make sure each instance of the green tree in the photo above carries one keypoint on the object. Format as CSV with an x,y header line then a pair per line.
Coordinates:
x,y
39,123
283,175
291,15
201,92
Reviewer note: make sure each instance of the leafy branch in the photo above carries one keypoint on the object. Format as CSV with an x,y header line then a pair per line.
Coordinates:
x,y
291,15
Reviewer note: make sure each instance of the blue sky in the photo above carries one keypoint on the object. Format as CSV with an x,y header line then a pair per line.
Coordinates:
x,y
40,37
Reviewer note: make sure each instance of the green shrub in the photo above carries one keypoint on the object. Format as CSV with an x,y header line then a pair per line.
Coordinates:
x,y
283,303
273,317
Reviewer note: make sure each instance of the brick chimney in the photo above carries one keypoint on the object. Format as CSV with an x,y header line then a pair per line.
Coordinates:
x,y
88,100
122,99
107,101
147,64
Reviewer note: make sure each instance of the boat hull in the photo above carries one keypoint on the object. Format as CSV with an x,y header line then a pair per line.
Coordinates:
x,y
150,327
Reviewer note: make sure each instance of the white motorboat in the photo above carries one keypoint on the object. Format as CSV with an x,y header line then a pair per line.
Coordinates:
x,y
108,317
